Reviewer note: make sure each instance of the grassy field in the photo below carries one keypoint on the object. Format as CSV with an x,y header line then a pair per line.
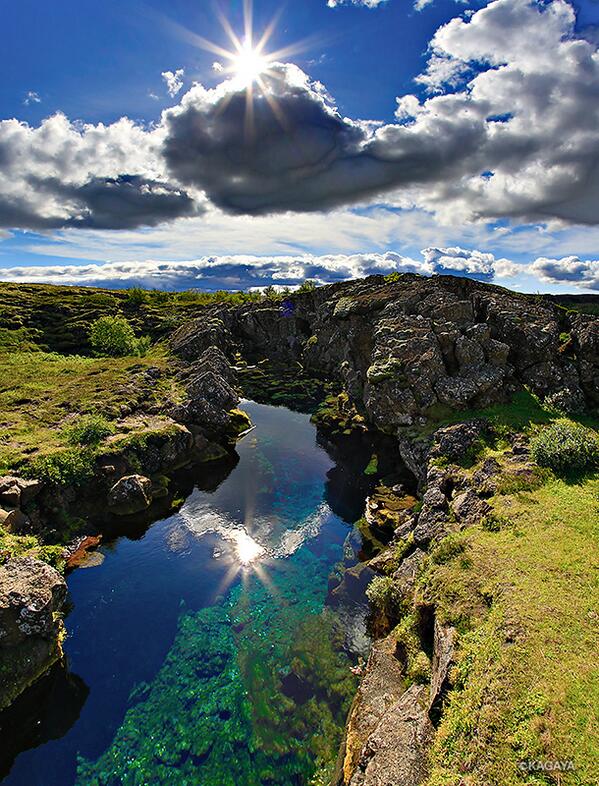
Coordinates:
x,y
34,316
43,394
526,601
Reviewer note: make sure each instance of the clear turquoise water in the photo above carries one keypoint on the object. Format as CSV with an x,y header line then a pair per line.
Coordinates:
x,y
203,652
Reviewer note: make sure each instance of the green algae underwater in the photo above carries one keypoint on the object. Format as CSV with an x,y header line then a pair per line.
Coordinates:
x,y
250,685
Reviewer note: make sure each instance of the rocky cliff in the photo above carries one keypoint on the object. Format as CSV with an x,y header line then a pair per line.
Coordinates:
x,y
31,598
411,348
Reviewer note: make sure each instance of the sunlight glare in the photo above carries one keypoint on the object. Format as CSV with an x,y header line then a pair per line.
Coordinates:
x,y
249,63
247,549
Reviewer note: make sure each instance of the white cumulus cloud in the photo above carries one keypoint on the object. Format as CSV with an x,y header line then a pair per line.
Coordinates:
x,y
174,81
241,271
568,270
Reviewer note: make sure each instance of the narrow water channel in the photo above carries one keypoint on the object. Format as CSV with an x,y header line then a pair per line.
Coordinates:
x,y
203,651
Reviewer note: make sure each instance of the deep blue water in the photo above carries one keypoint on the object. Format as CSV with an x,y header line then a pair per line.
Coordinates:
x,y
202,651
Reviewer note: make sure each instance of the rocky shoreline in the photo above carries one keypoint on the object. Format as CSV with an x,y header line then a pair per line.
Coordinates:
x,y
129,478
407,354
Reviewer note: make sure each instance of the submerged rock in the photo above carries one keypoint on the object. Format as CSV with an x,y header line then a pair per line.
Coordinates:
x,y
31,597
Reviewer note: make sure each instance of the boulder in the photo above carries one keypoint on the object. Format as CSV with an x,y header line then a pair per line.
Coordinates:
x,y
16,492
455,442
406,573
31,597
469,508
130,494
13,520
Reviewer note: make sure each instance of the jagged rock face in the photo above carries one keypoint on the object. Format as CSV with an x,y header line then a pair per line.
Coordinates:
x,y
407,349
31,595
208,379
195,337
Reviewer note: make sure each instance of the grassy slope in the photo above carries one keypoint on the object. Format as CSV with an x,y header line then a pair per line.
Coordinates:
x,y
47,373
526,600
41,394
55,318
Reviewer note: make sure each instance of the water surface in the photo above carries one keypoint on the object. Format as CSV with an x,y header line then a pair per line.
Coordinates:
x,y
202,651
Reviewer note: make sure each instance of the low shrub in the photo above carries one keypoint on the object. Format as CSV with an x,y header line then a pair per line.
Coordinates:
x,y
449,548
89,430
143,346
385,596
493,522
137,296
112,336
565,446
307,286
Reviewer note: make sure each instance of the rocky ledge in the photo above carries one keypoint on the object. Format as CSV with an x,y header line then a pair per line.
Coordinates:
x,y
31,598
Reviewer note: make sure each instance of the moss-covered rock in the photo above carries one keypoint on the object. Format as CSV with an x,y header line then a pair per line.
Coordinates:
x,y
31,597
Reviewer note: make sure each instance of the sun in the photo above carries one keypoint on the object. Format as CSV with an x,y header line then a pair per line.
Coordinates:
x,y
249,63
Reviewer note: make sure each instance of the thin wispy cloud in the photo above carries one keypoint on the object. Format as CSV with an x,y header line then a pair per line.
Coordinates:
x,y
365,3
32,97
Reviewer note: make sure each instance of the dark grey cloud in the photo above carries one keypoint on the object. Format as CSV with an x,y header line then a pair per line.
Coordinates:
x,y
298,153
124,202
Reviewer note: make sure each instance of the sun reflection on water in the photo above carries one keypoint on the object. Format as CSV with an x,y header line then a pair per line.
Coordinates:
x,y
248,550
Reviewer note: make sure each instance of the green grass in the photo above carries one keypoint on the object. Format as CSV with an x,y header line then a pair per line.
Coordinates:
x,y
44,395
525,599
59,318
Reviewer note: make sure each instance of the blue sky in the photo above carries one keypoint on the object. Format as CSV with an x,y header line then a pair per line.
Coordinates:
x,y
98,62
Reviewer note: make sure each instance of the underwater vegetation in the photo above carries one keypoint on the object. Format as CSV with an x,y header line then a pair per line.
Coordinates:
x,y
256,687
254,691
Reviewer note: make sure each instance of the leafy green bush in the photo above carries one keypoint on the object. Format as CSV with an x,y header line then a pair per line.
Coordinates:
x,y
565,446
143,346
393,278
89,430
65,468
112,336
385,596
137,296
307,286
